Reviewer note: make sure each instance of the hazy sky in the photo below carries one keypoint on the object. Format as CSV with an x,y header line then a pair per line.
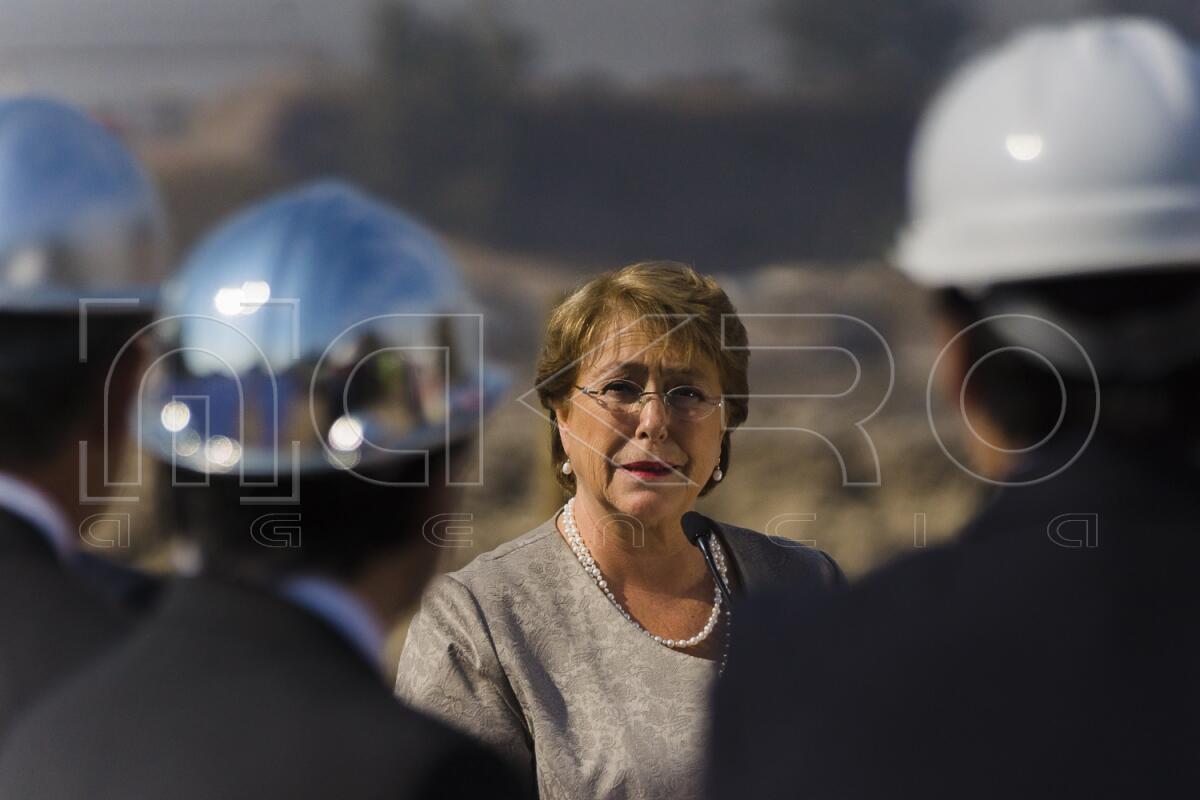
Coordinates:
x,y
336,26
628,40
104,43
641,40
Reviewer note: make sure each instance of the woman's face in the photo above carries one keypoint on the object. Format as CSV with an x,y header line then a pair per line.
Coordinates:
x,y
649,462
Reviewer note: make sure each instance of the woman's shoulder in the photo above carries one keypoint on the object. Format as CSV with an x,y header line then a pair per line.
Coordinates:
x,y
517,580
768,563
511,562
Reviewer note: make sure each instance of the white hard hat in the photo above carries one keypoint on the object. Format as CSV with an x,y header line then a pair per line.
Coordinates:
x,y
1068,151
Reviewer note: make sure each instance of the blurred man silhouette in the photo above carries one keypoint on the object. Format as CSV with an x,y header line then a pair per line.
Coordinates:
x,y
81,243
318,380
1052,650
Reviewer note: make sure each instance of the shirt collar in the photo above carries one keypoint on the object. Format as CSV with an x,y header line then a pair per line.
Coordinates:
x,y
338,606
35,507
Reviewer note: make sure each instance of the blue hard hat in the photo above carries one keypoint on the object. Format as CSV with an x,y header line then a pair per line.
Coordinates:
x,y
316,330
79,218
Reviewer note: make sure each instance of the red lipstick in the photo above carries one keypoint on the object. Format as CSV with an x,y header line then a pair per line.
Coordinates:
x,y
650,470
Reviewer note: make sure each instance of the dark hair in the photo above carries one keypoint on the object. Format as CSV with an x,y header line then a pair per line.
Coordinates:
x,y
339,525
45,391
1025,397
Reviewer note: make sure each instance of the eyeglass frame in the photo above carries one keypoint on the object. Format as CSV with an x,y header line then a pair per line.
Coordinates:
x,y
713,404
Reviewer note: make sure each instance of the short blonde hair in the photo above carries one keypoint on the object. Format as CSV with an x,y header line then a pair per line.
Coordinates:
x,y
658,294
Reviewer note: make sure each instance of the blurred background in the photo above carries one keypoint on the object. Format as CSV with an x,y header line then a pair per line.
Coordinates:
x,y
761,141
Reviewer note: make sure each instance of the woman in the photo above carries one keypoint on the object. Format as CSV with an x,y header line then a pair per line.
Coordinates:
x,y
584,649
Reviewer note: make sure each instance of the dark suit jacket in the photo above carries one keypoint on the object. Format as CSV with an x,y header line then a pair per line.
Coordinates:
x,y
1010,664
51,621
231,692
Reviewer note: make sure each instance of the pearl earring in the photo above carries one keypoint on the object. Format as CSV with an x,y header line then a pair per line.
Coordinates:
x,y
566,468
718,475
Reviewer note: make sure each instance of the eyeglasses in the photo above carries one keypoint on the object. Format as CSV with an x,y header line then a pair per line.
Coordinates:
x,y
690,403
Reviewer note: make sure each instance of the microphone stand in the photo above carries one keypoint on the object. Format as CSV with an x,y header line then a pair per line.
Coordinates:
x,y
698,530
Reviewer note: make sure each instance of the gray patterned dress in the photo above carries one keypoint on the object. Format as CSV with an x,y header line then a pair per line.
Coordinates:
x,y
521,650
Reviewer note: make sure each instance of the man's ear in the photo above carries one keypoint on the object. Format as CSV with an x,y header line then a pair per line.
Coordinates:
x,y
985,458
953,369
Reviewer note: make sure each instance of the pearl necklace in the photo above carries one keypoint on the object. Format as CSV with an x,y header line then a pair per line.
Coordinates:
x,y
589,565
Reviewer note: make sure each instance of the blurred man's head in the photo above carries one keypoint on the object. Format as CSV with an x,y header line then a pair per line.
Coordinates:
x,y
1055,202
82,246
318,385
343,527
50,401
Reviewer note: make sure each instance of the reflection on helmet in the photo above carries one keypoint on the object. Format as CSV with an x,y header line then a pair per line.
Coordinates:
x,y
319,329
1068,151
79,219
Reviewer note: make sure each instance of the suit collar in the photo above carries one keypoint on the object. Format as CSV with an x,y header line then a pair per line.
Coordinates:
x,y
24,500
19,538
222,609
341,610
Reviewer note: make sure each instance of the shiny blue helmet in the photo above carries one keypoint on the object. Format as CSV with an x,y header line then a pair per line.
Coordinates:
x,y
320,329
79,218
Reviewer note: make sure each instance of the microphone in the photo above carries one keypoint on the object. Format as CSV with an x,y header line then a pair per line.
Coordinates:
x,y
698,528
